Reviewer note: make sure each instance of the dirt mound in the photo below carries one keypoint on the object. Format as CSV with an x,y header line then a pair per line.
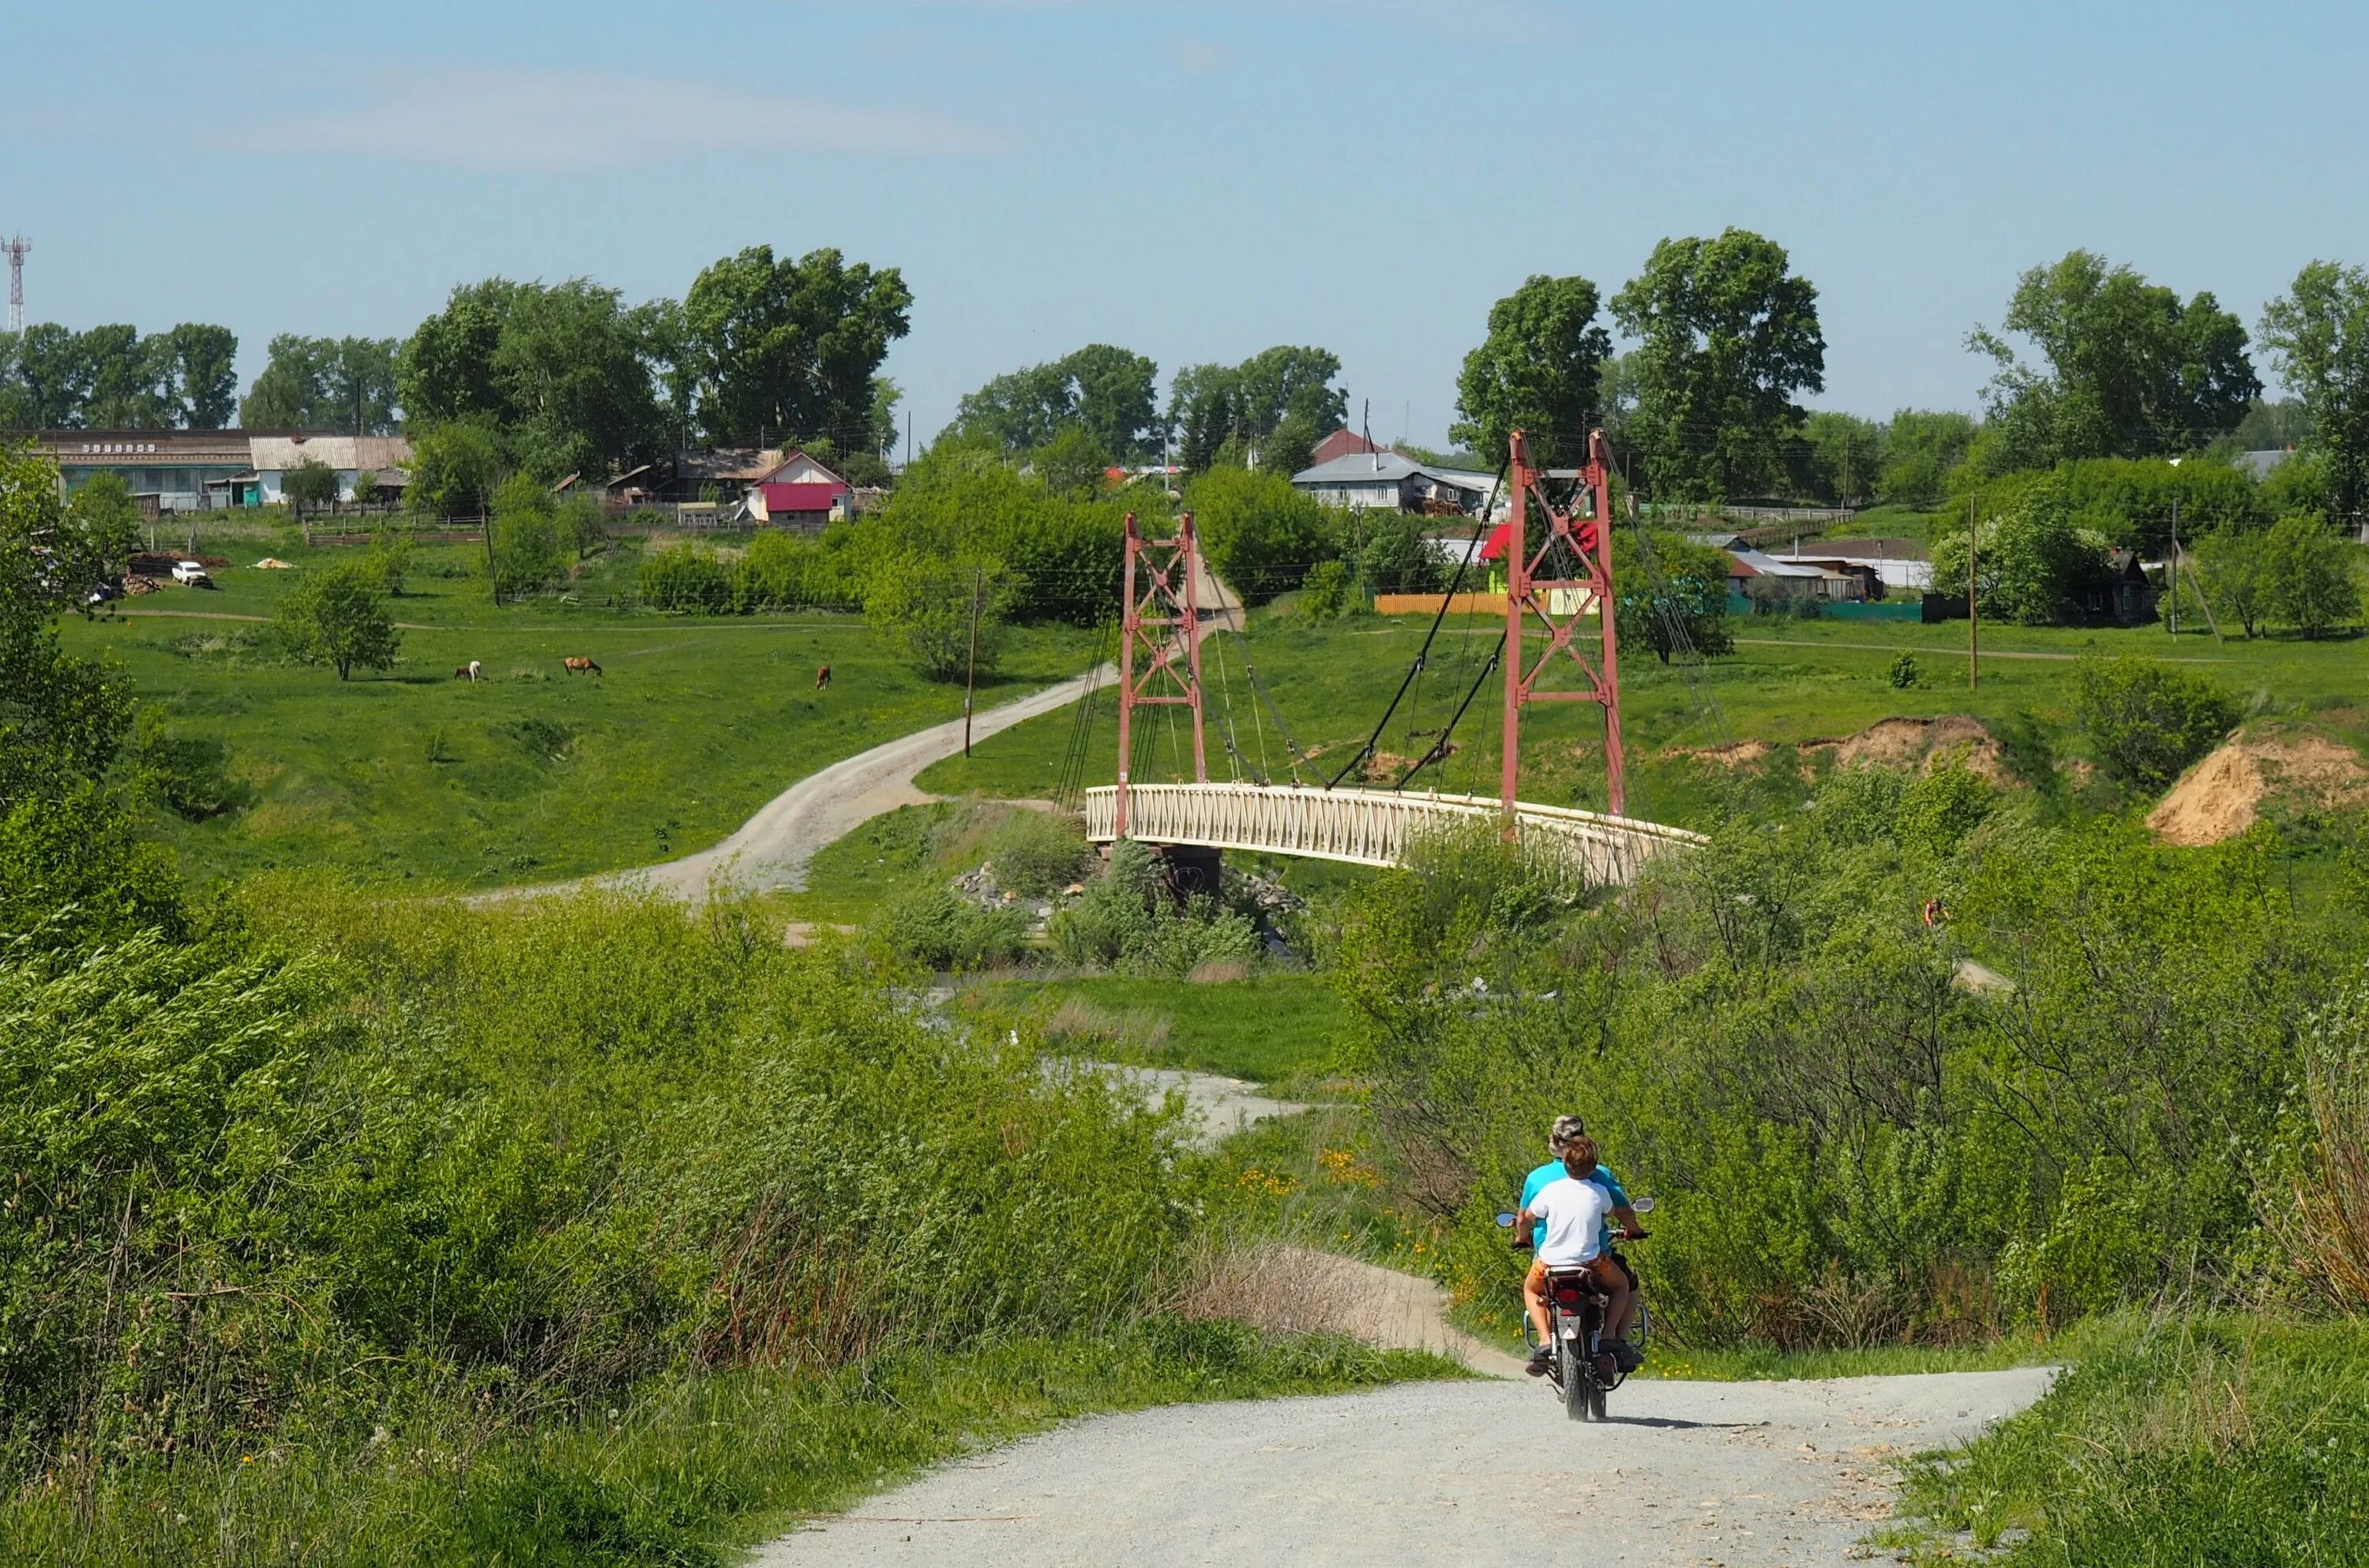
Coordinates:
x,y
1924,744
1734,754
2222,796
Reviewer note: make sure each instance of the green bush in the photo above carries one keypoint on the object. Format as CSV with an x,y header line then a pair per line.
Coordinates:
x,y
685,580
187,774
1330,593
787,571
1037,853
1128,922
1060,557
2039,562
1904,673
1258,532
2149,721
1396,555
941,931
948,615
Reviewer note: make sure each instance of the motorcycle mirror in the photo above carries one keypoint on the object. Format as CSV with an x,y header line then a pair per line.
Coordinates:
x,y
1644,1206
1505,1222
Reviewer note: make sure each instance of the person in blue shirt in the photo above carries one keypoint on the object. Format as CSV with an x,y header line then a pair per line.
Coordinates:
x,y
1567,1128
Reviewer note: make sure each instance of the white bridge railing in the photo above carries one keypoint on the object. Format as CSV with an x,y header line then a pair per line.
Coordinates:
x,y
1368,827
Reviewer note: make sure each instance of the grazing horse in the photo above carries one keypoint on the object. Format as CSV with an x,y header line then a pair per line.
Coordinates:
x,y
822,678
577,665
472,672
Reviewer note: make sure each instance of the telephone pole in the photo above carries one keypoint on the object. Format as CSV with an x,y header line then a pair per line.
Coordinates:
x,y
1974,609
970,672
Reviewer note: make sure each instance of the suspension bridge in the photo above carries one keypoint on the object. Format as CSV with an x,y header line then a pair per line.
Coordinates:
x,y
1557,579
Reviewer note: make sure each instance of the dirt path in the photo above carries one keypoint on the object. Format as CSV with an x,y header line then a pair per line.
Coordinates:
x,y
772,849
1950,652
1750,1475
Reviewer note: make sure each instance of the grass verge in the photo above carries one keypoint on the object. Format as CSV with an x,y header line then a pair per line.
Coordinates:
x,y
1275,1029
679,1476
2202,1441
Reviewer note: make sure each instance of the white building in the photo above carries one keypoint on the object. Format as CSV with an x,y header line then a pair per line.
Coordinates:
x,y
351,456
1386,481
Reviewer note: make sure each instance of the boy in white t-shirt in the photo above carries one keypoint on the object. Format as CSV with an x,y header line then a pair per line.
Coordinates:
x,y
1567,1216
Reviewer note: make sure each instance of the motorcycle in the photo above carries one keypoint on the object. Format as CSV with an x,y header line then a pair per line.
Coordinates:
x,y
1583,1371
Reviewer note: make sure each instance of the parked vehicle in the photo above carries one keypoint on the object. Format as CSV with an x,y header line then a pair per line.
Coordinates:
x,y
191,573
1582,1372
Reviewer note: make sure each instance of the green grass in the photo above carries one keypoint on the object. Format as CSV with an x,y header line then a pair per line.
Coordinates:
x,y
679,1476
1788,684
2193,1441
412,776
1275,1028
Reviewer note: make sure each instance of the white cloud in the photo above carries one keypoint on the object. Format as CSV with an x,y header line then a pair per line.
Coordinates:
x,y
587,122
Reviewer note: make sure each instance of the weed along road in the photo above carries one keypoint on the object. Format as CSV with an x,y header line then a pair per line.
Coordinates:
x,y
1751,1475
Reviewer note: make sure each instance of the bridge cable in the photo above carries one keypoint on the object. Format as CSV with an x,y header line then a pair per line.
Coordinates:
x,y
1290,745
1365,752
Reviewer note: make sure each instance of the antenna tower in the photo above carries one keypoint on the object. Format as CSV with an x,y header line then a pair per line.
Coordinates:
x,y
17,248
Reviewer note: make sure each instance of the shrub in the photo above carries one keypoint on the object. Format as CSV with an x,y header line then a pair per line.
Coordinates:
x,y
2149,721
1328,593
530,550
787,571
1037,852
944,932
1395,555
187,774
1060,558
1904,673
1127,922
685,580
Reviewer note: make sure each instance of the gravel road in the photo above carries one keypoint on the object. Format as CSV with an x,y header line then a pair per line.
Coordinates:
x,y
1749,1475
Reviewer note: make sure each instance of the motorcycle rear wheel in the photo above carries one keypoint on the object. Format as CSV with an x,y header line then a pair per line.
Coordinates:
x,y
1580,1398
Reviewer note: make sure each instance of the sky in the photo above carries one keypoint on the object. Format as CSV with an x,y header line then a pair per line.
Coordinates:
x,y
1192,181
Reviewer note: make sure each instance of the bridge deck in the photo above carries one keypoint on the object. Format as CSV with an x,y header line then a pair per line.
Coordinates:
x,y
1368,827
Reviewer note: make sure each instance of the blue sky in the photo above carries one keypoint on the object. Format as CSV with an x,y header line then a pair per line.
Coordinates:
x,y
1195,181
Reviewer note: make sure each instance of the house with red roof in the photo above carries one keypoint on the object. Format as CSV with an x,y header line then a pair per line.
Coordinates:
x,y
800,493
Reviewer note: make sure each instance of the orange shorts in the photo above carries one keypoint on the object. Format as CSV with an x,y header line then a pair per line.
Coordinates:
x,y
1600,1268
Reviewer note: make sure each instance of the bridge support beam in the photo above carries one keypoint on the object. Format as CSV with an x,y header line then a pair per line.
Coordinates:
x,y
1162,627
1559,581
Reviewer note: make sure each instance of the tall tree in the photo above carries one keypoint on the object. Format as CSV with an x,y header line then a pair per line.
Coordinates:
x,y
1110,394
201,382
2317,333
1920,450
2132,370
1538,370
325,384
787,350
1727,336
125,373
445,370
572,368
1223,413
564,376
1836,459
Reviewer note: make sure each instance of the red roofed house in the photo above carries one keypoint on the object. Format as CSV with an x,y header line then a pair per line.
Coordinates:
x,y
801,494
1342,443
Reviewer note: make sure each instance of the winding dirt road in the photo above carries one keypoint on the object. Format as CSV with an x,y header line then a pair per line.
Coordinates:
x,y
1749,1475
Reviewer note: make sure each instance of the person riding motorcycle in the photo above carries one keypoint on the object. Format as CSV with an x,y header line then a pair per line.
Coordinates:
x,y
1572,1209
1618,1322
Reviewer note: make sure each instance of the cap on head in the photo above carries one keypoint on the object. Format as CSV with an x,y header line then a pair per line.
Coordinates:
x,y
1565,1129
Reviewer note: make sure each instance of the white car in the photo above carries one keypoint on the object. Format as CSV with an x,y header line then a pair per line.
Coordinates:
x,y
193,573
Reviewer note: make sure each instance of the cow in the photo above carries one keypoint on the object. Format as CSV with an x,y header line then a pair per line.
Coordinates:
x,y
472,672
579,665
822,678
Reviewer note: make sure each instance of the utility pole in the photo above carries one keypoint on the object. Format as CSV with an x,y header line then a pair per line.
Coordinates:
x,y
970,673
1974,611
2171,616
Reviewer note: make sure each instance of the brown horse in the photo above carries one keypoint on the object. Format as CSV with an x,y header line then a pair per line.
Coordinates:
x,y
470,672
579,665
822,678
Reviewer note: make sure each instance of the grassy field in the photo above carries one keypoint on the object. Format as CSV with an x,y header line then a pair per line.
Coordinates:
x,y
1276,1028
1788,682
414,776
